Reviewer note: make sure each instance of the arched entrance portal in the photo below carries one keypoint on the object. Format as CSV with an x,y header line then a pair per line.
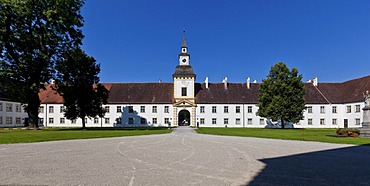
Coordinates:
x,y
184,118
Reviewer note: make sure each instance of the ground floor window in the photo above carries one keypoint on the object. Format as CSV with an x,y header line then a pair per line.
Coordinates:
x,y
357,121
51,120
62,120
142,120
334,121
262,121
119,120
322,121
214,121
202,121
96,120
166,121
18,120
226,121
130,120
73,121
106,120
309,121
1,120
237,121
41,120
9,120
250,121
154,120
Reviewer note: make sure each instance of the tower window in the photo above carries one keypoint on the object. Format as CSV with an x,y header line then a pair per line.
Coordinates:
x,y
183,91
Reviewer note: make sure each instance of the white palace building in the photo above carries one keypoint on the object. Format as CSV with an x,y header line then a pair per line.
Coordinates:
x,y
185,102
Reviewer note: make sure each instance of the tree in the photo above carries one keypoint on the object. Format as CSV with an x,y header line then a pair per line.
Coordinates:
x,y
33,36
78,83
281,95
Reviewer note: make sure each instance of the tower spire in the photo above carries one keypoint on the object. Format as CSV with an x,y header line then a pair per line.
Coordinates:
x,y
183,39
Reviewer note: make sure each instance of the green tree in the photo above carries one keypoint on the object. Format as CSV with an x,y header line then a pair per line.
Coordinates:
x,y
281,95
78,83
33,36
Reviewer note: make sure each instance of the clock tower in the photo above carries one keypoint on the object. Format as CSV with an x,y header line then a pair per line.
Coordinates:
x,y
184,99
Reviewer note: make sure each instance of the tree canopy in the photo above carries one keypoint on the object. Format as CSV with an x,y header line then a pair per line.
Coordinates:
x,y
33,36
78,83
281,95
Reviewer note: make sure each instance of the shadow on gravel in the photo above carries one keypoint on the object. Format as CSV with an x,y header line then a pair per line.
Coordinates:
x,y
343,166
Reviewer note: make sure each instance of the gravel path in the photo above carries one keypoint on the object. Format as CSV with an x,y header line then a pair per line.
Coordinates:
x,y
184,158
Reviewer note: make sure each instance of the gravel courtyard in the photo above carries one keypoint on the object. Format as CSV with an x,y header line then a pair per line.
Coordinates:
x,y
184,158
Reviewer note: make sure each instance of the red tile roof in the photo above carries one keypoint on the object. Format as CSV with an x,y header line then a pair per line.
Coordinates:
x,y
236,93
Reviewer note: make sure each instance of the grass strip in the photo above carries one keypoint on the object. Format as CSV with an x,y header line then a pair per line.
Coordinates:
x,y
54,134
319,135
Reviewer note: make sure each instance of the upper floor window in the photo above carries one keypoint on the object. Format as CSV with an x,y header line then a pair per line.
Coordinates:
x,y
106,108
249,109
237,109
166,109
154,109
226,109
201,109
334,109
322,109
51,109
62,109
349,109
18,108
357,108
214,109
119,109
41,109
309,109
1,106
9,107
130,109
183,91
142,109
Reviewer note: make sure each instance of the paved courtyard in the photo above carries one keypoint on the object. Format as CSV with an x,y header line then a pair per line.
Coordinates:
x,y
184,158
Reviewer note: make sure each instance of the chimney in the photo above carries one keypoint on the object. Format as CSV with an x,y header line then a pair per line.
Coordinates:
x,y
254,81
206,82
248,83
315,82
225,82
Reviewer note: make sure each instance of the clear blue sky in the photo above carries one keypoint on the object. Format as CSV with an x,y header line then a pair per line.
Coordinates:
x,y
139,40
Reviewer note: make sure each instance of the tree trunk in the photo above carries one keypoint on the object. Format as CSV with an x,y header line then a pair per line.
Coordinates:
x,y
83,123
33,111
282,124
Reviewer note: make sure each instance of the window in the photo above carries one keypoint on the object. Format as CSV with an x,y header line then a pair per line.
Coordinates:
x,y
9,120
106,108
166,109
226,109
357,108
9,107
249,109
237,109
41,109
202,121
18,108
166,121
183,91
1,120
106,120
96,120
309,109
119,109
51,120
62,120
201,109
322,109
250,121
73,121
349,109
41,120
18,120
154,109
226,121
154,120
334,121
322,121
214,109
214,121
262,121
1,106
51,109
334,109
309,121
130,109
357,121
142,121
119,120
62,109
130,120
142,109
237,121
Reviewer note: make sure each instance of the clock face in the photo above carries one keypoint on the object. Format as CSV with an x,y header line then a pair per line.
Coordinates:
x,y
184,60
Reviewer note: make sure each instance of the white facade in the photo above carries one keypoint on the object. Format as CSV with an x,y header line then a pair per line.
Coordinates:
x,y
12,114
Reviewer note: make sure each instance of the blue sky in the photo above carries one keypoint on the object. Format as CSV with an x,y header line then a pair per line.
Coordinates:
x,y
139,41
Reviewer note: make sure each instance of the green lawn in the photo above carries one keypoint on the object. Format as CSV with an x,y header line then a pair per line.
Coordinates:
x,y
321,135
53,134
